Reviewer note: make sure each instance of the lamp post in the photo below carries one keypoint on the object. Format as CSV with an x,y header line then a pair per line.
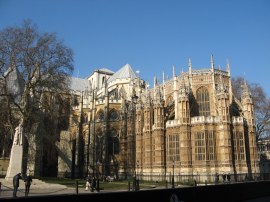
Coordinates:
x,y
173,174
88,149
134,102
137,180
134,180
98,164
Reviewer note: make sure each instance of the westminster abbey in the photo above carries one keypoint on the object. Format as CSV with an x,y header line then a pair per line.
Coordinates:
x,y
188,125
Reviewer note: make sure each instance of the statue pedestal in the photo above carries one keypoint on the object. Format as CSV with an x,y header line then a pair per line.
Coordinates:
x,y
15,162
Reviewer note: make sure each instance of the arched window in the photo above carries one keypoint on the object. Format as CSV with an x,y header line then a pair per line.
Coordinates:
x,y
239,145
203,101
170,111
204,146
113,143
100,115
85,118
113,115
174,151
99,145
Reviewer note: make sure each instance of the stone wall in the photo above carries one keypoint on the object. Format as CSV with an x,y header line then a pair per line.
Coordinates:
x,y
64,155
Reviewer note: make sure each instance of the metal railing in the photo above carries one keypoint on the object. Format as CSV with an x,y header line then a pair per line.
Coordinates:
x,y
203,178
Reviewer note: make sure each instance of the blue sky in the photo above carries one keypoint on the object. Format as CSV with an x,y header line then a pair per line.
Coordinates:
x,y
153,35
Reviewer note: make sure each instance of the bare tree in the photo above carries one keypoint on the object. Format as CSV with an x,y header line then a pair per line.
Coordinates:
x,y
31,64
6,132
261,106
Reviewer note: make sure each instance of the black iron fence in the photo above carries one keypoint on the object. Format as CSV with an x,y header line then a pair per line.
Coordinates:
x,y
203,178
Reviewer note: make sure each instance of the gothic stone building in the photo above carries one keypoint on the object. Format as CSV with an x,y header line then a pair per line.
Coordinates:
x,y
189,125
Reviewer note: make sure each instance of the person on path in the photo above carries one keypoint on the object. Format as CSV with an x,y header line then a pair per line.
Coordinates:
x,y
88,182
16,183
93,184
216,178
229,177
224,178
28,181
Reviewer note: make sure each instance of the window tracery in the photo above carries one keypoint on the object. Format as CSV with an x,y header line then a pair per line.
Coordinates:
x,y
203,101
100,115
113,115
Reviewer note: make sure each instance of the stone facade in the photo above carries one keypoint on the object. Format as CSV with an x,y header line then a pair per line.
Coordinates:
x,y
186,125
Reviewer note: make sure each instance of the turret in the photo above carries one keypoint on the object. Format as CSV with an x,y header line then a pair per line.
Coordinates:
x,y
183,103
248,106
158,108
148,112
155,86
223,101
163,79
175,93
189,72
248,111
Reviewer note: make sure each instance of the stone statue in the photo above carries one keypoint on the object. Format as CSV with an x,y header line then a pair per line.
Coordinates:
x,y
18,135
15,162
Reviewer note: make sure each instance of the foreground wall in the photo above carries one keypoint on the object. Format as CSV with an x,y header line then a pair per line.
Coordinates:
x,y
227,192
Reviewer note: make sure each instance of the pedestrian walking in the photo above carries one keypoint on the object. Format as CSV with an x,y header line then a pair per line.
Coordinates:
x,y
229,177
224,177
16,183
216,178
93,184
88,182
28,181
246,177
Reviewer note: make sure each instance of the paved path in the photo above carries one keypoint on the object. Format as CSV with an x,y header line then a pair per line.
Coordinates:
x,y
38,187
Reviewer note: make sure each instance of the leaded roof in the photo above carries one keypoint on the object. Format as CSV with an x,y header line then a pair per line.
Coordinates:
x,y
123,73
78,84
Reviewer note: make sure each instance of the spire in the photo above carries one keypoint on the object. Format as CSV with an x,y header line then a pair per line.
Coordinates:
x,y
147,96
189,66
228,67
173,71
155,81
222,85
163,77
245,90
175,92
247,103
106,85
183,90
158,95
222,101
182,112
212,62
